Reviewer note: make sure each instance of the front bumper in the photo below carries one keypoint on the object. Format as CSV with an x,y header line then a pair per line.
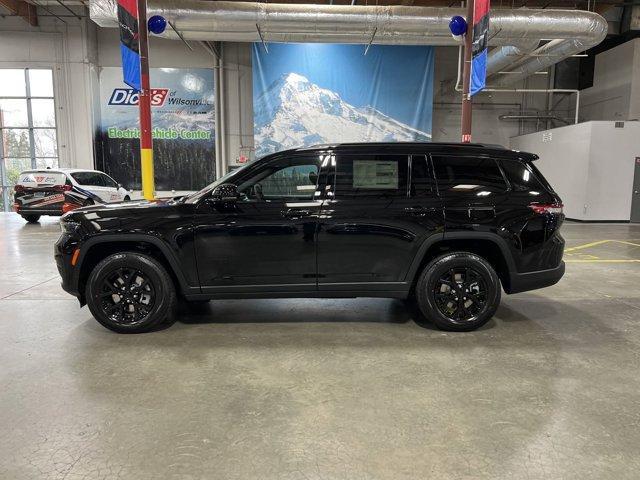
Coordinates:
x,y
63,252
522,282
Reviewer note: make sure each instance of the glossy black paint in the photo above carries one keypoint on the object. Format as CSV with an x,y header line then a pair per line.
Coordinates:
x,y
326,244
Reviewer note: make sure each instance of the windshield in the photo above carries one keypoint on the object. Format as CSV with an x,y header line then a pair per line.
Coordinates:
x,y
194,197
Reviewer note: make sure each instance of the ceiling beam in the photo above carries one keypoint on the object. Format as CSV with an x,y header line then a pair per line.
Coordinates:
x,y
22,9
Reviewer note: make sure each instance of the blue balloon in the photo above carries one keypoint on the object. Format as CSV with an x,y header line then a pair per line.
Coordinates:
x,y
458,25
157,24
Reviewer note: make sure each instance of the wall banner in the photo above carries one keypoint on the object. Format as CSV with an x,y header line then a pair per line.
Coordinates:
x,y
183,126
479,47
305,94
129,42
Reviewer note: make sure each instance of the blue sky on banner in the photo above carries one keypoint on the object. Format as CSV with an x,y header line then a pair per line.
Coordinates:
x,y
396,80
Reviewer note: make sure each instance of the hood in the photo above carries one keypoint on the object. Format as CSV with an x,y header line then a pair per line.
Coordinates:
x,y
113,216
117,207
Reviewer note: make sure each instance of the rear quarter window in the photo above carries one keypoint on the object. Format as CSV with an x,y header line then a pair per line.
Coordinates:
x,y
521,177
468,175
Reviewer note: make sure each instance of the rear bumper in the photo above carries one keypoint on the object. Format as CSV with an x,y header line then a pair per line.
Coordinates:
x,y
54,212
522,282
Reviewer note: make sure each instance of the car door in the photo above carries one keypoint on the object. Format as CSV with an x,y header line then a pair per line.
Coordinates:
x,y
92,183
111,191
375,220
266,241
474,190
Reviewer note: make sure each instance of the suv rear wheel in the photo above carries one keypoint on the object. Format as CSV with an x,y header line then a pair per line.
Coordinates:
x,y
131,293
31,218
458,291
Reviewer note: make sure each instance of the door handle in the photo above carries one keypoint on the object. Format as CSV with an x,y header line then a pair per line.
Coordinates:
x,y
294,212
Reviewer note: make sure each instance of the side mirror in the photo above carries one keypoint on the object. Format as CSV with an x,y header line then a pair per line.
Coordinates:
x,y
225,194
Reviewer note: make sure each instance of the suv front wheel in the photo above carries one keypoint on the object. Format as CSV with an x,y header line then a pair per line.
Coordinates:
x,y
458,291
131,293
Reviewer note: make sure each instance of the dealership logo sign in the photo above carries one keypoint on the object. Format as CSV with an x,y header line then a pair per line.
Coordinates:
x,y
129,96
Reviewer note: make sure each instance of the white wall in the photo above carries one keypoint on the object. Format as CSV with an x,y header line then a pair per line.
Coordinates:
x,y
590,165
615,94
70,50
237,102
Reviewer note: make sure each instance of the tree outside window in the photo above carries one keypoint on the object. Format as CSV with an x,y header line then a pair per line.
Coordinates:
x,y
28,132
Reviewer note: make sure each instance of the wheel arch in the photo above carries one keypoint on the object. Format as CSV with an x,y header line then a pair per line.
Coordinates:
x,y
489,246
96,249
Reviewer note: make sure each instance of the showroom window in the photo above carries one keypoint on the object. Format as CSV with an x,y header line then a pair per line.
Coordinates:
x,y
27,124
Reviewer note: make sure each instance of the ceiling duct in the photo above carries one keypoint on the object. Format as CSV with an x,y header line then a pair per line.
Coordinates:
x,y
521,31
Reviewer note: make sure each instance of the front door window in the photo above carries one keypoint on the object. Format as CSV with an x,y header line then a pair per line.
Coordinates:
x,y
284,180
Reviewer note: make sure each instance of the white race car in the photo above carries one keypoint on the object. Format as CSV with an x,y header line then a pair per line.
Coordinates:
x,y
57,191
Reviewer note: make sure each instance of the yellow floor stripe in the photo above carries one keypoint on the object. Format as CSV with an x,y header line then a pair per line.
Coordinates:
x,y
628,243
603,261
586,245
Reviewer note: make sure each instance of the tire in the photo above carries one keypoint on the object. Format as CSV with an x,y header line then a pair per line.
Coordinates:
x,y
469,276
127,198
31,218
147,305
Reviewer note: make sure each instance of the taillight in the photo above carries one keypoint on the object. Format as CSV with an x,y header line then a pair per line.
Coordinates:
x,y
19,188
62,188
67,207
542,208
16,207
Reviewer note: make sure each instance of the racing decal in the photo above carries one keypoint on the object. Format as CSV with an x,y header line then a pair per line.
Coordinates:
x,y
86,193
32,201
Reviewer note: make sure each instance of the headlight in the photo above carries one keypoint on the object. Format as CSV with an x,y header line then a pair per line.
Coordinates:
x,y
69,227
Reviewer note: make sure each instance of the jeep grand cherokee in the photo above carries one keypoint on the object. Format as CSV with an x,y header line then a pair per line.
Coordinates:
x,y
444,225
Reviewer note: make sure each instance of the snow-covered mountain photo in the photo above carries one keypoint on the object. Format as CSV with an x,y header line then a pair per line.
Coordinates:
x,y
307,94
294,112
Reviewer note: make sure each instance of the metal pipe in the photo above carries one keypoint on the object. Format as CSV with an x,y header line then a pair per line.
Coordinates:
x,y
236,21
532,117
540,90
521,30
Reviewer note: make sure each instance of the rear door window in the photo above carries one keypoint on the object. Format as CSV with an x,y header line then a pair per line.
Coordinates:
x,y
89,179
107,181
468,175
422,181
371,176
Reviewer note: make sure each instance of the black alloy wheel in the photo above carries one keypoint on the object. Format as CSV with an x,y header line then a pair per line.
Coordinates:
x,y
460,294
127,296
458,291
131,292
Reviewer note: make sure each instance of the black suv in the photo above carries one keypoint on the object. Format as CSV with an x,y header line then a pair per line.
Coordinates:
x,y
441,224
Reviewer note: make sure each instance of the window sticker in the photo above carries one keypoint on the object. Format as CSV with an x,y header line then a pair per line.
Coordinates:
x,y
377,174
